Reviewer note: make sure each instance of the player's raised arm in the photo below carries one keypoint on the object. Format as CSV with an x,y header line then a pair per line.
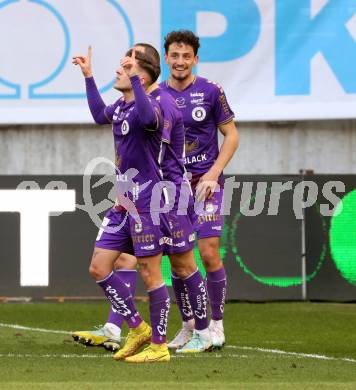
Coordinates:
x,y
96,104
149,114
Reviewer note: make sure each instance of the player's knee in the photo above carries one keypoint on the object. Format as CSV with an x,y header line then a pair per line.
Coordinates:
x,y
148,280
210,257
146,275
93,271
96,272
151,276
180,271
125,261
183,264
183,270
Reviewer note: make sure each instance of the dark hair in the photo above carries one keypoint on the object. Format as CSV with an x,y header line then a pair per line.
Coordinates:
x,y
182,36
149,60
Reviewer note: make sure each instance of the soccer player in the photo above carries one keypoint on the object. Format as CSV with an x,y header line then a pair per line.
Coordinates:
x,y
205,110
137,127
180,250
181,241
181,235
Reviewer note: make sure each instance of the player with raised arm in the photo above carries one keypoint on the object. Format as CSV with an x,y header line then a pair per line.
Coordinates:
x,y
205,110
181,241
128,227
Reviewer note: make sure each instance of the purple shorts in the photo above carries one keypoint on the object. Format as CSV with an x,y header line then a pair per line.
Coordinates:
x,y
210,223
121,232
180,237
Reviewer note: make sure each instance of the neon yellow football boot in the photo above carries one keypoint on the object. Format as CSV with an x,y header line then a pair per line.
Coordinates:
x,y
135,339
152,354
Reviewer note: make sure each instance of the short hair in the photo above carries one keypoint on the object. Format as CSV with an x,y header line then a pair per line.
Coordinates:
x,y
149,60
182,36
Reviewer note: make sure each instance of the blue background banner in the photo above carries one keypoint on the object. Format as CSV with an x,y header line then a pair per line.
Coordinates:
x,y
276,59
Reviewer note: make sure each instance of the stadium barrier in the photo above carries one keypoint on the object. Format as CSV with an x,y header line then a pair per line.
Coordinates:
x,y
286,237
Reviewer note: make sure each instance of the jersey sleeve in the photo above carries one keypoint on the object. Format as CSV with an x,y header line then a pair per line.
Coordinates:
x,y
167,131
96,104
159,121
148,109
109,112
168,118
221,110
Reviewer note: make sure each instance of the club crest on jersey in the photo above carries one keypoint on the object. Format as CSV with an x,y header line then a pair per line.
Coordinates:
x,y
191,146
138,227
199,114
125,127
209,208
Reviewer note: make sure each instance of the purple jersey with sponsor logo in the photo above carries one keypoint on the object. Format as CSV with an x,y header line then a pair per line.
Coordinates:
x,y
204,107
137,128
172,162
181,235
138,150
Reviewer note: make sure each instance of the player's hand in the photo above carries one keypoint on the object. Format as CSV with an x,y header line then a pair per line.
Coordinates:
x,y
85,63
129,64
207,185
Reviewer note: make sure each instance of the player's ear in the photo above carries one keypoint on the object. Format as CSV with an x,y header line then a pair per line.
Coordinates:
x,y
145,79
166,59
196,59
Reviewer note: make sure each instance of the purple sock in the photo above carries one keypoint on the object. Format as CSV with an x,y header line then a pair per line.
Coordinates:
x,y
129,277
198,299
159,309
119,295
115,318
182,297
216,284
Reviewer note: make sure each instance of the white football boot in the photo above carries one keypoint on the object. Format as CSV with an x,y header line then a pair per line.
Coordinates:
x,y
217,333
182,336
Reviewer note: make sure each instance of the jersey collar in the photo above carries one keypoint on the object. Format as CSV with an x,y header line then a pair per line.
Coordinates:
x,y
168,84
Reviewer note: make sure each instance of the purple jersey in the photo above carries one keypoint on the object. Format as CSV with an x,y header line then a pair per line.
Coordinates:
x,y
137,151
181,235
173,137
204,107
137,128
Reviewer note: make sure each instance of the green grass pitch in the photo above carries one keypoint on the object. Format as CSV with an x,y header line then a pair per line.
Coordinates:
x,y
269,346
